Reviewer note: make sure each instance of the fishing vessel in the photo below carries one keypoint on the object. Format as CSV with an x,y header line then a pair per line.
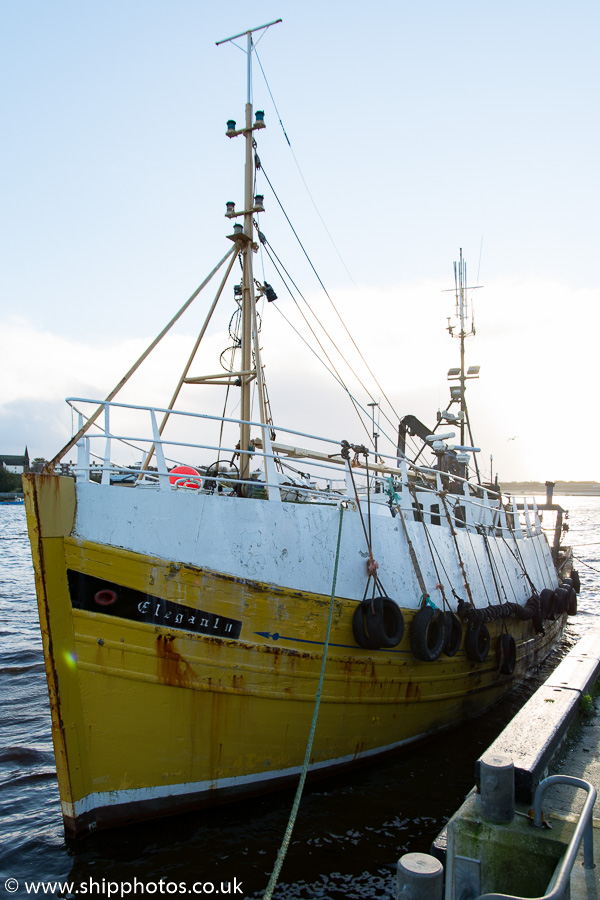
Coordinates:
x,y
188,600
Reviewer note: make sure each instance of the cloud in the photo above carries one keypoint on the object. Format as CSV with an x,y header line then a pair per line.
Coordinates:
x,y
535,344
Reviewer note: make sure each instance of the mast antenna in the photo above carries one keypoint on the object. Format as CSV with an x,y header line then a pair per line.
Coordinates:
x,y
466,329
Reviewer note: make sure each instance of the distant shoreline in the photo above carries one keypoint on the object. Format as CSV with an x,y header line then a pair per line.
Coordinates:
x,y
561,488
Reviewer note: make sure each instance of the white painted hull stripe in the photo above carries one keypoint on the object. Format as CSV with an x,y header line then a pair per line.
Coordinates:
x,y
106,799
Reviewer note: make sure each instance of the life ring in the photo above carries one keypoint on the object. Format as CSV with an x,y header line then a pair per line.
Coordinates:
x,y
105,597
453,634
378,623
507,654
428,633
477,643
177,477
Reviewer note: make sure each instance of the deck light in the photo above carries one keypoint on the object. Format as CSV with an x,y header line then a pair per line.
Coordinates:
x,y
456,393
473,370
453,373
237,290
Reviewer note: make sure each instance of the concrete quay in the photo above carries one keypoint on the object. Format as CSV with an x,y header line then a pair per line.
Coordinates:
x,y
555,733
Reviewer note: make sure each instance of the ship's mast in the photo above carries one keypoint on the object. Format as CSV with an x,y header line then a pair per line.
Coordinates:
x,y
466,325
249,370
248,279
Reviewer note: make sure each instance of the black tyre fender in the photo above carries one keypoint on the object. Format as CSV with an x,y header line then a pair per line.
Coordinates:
x,y
562,600
539,618
386,624
546,602
428,633
477,643
507,654
548,599
572,602
378,623
359,629
576,580
453,634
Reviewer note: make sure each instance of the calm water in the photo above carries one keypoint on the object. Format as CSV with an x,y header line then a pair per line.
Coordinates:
x,y
350,829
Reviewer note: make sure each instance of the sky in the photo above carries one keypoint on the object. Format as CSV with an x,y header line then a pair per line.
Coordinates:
x,y
414,129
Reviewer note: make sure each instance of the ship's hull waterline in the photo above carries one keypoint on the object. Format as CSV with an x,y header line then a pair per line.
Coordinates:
x,y
175,684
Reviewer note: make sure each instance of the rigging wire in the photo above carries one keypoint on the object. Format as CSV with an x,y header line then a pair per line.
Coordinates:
x,y
333,373
268,250
584,563
289,143
370,371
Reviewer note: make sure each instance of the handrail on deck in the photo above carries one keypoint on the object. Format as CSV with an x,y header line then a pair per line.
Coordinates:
x,y
583,832
380,469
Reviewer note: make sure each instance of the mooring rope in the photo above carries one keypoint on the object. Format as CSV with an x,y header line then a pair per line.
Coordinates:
x,y
313,726
583,562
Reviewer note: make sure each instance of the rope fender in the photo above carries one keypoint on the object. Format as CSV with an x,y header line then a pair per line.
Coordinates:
x,y
475,617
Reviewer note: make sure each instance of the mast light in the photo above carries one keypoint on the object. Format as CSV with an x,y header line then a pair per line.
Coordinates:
x,y
259,119
270,293
230,208
259,203
473,370
238,228
230,125
453,373
456,393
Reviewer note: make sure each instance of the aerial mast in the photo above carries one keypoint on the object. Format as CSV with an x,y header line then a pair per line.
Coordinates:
x,y
466,325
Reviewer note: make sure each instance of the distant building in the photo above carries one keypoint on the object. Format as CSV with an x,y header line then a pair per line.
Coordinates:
x,y
15,464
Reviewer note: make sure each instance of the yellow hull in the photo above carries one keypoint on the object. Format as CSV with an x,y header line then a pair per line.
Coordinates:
x,y
173,686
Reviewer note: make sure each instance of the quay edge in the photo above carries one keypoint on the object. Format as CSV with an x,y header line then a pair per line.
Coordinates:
x,y
516,857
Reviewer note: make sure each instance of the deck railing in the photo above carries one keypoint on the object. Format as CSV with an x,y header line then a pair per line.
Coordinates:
x,y
422,493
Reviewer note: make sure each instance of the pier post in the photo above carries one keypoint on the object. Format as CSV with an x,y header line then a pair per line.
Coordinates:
x,y
497,787
419,877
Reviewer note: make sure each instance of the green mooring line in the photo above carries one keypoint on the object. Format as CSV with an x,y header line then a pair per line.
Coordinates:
x,y
296,804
